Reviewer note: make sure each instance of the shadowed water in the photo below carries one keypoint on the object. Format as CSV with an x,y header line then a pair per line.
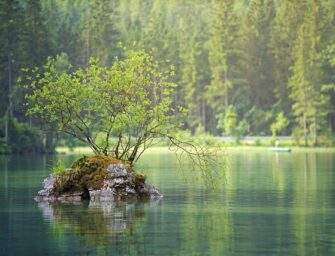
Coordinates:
x,y
271,204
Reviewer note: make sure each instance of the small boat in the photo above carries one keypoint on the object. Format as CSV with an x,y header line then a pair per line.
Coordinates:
x,y
279,149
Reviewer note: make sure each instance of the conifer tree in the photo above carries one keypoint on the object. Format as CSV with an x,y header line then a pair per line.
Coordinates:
x,y
192,78
259,61
10,35
222,52
310,104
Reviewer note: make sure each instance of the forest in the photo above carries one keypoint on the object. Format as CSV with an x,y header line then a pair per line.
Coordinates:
x,y
242,67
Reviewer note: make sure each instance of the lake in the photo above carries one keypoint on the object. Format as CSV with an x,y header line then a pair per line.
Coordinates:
x,y
270,204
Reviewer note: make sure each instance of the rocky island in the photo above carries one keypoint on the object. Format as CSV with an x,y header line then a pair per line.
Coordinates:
x,y
97,178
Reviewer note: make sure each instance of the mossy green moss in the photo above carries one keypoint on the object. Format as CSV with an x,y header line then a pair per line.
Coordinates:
x,y
85,173
90,173
139,178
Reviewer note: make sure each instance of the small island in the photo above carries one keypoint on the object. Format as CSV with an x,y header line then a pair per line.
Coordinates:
x,y
97,178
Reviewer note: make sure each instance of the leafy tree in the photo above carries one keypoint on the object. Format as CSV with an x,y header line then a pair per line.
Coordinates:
x,y
259,120
125,101
228,121
128,104
280,124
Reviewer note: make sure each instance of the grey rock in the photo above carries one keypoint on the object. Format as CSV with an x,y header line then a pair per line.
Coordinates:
x,y
154,193
48,184
119,181
118,185
130,191
117,170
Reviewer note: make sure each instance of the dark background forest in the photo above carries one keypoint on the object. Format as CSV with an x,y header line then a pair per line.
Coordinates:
x,y
243,67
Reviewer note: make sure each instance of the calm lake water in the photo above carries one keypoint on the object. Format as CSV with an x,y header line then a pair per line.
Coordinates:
x,y
271,204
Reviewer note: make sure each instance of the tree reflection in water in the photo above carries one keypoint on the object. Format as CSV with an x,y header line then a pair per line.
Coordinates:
x,y
98,224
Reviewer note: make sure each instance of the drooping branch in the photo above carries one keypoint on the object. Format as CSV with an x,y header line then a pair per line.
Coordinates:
x,y
210,162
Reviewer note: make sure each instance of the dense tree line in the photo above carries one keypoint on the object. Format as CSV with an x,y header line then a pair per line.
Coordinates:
x,y
258,61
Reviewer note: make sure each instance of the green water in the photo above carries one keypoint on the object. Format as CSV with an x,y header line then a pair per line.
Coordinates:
x,y
271,204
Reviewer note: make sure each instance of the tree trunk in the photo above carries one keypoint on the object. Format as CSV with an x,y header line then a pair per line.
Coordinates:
x,y
87,37
305,128
6,129
226,103
315,138
10,86
49,146
203,110
9,112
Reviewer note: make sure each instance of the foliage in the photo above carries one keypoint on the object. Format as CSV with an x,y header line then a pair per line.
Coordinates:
x,y
228,121
130,101
263,57
310,103
258,142
129,105
222,51
241,130
280,124
4,148
22,139
258,119
59,168
208,163
202,137
296,135
230,125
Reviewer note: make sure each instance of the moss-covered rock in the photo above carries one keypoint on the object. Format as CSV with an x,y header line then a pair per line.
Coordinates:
x,y
98,178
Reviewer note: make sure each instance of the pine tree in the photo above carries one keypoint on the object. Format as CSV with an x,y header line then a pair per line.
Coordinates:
x,y
310,104
10,32
283,34
259,60
103,34
192,74
222,53
35,39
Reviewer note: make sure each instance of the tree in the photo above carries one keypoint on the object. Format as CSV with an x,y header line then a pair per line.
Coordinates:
x,y
128,104
10,38
258,57
99,36
193,58
222,50
125,101
310,101
280,124
283,33
188,70
35,39
228,121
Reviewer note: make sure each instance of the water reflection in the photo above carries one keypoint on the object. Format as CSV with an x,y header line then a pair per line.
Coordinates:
x,y
98,224
272,204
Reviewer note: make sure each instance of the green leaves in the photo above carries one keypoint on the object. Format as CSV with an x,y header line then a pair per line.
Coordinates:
x,y
280,124
228,121
129,100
